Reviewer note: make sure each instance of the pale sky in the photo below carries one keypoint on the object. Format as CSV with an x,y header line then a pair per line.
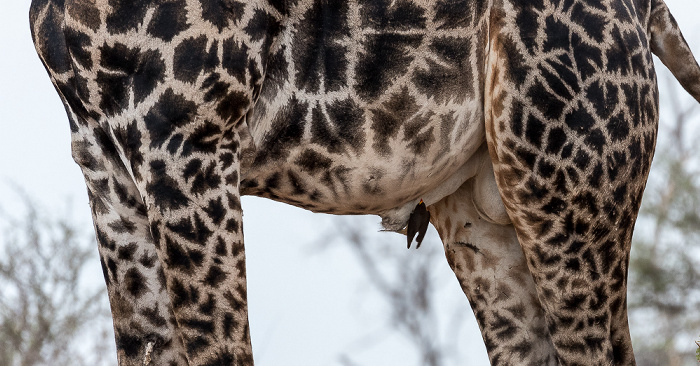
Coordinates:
x,y
304,309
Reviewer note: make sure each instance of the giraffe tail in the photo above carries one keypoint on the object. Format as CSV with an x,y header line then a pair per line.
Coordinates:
x,y
668,44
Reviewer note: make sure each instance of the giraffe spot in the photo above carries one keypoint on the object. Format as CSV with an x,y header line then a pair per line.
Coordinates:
x,y
318,56
232,225
563,70
125,15
228,325
191,58
176,256
276,74
618,128
526,157
221,13
126,252
164,190
84,12
286,132
579,120
206,180
199,325
169,19
321,132
171,111
113,267
153,317
104,240
231,105
235,302
392,15
517,68
555,83
147,261
234,59
504,328
263,26
196,344
130,344
440,81
130,69
421,142
215,211
615,162
527,23
192,229
451,14
594,25
215,276
555,206
596,140
545,168
348,119
299,188
617,53
78,44
383,58
549,104
557,35
604,97
191,169
534,131
589,58
582,159
313,162
129,138
134,282
387,120
204,139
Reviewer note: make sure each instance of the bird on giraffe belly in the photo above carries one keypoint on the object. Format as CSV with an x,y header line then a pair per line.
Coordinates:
x,y
417,223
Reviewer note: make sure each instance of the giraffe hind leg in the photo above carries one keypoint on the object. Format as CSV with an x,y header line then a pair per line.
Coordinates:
x,y
571,152
491,269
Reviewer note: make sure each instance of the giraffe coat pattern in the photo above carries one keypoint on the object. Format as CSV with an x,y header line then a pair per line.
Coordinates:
x,y
527,127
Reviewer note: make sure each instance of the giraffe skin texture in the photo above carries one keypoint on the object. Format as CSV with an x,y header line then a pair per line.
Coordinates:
x,y
526,126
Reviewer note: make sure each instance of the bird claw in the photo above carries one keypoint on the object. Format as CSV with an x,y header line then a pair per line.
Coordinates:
x,y
417,224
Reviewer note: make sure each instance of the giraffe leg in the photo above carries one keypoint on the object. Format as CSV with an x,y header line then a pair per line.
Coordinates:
x,y
144,325
193,206
155,131
571,158
491,269
171,241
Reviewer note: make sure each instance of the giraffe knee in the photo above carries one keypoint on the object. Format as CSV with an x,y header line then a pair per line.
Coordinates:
x,y
486,197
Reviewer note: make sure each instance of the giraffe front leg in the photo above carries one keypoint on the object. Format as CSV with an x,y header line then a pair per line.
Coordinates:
x,y
144,325
491,269
194,210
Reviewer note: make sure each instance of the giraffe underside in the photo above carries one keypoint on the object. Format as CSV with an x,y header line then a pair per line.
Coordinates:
x,y
371,110
526,126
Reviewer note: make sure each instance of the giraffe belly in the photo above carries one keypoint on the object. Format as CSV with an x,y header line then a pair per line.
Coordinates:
x,y
375,108
355,177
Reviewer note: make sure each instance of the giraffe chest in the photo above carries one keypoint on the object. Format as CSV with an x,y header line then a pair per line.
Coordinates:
x,y
366,105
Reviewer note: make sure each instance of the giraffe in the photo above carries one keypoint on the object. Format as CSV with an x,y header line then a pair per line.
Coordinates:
x,y
526,127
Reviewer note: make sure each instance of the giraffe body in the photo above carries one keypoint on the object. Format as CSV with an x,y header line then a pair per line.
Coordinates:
x,y
527,127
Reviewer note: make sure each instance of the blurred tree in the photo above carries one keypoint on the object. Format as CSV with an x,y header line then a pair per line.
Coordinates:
x,y
664,283
407,283
48,314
